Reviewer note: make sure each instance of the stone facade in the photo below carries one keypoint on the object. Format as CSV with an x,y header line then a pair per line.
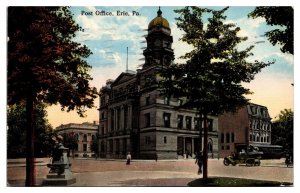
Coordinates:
x,y
249,125
85,133
135,118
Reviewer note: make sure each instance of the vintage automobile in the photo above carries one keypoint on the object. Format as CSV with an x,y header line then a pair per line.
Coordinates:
x,y
251,157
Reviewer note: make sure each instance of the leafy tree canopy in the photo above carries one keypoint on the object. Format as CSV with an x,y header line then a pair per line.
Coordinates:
x,y
16,133
212,76
283,130
282,17
44,61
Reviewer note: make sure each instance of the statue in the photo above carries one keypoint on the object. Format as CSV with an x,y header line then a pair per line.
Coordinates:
x,y
59,173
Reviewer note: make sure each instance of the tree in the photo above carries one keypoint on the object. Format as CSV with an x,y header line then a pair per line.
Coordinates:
x,y
45,66
283,130
16,133
210,80
283,17
70,141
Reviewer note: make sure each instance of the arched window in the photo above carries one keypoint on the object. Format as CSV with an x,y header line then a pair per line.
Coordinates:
x,y
257,137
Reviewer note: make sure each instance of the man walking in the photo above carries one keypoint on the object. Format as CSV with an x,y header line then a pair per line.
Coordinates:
x,y
199,161
128,158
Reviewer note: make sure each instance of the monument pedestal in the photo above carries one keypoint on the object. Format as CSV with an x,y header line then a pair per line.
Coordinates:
x,y
60,173
53,179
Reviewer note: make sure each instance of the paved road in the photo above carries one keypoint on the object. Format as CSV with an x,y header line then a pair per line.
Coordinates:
x,y
90,172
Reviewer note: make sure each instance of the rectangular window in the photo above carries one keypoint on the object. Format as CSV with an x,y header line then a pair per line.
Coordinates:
x,y
210,124
167,121
167,101
227,138
222,147
165,139
147,120
84,147
180,102
188,122
197,123
180,122
148,100
232,137
227,147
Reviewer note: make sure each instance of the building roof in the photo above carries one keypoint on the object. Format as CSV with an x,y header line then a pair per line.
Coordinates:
x,y
85,126
159,21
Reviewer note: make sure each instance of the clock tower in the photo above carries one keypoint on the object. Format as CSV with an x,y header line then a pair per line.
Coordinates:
x,y
159,50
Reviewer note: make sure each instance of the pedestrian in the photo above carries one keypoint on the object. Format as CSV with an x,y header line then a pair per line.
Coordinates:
x,y
128,158
156,157
199,161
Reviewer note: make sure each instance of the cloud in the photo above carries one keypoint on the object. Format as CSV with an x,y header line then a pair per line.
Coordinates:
x,y
180,47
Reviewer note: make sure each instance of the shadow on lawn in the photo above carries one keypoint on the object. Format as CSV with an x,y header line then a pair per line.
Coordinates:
x,y
235,182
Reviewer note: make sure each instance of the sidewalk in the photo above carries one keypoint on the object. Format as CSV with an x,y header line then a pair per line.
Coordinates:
x,y
102,172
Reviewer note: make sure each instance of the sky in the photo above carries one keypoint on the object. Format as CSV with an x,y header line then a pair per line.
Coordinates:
x,y
109,36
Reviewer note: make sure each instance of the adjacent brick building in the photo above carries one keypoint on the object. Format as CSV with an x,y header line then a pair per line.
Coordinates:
x,y
249,125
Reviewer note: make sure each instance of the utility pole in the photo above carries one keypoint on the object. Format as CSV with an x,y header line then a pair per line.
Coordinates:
x,y
127,60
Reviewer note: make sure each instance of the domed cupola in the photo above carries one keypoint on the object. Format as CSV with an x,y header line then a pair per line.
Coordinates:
x,y
159,50
159,24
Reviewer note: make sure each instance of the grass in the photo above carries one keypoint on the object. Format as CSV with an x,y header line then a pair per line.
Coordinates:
x,y
235,182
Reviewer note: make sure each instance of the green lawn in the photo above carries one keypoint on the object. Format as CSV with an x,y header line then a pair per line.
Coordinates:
x,y
235,182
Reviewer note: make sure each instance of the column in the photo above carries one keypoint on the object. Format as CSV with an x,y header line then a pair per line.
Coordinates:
x,y
129,121
122,126
114,148
115,118
128,145
108,120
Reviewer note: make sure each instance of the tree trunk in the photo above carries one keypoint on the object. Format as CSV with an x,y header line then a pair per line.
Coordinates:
x,y
200,132
30,170
205,148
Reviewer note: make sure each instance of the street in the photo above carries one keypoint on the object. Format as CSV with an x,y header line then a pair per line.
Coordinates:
x,y
92,172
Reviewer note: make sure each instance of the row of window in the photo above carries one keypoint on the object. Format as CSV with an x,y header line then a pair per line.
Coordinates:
x,y
180,118
258,138
228,137
256,124
256,110
84,138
